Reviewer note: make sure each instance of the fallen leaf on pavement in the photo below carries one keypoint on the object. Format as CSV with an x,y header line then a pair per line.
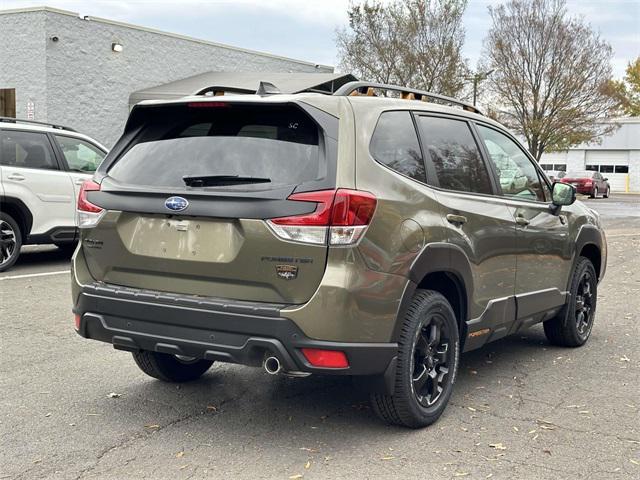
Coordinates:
x,y
497,446
295,477
179,454
114,395
307,466
390,457
152,425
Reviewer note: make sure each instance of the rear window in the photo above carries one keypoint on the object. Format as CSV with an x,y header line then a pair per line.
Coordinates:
x,y
579,174
275,142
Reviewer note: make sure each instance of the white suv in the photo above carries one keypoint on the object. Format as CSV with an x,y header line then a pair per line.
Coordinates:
x,y
41,169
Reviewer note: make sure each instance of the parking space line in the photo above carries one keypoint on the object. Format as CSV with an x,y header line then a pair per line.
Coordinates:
x,y
623,235
31,275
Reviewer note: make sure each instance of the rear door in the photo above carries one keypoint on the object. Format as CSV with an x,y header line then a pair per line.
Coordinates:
x,y
31,173
478,221
80,158
189,197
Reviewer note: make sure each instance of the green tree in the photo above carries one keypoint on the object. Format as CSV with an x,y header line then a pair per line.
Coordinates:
x,y
413,43
552,74
627,90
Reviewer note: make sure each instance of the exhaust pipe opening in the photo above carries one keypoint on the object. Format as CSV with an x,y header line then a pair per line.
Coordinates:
x,y
272,365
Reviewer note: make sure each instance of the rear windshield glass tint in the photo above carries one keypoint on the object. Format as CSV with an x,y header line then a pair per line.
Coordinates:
x,y
280,143
579,174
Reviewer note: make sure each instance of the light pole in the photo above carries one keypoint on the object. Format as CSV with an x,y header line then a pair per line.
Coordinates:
x,y
477,78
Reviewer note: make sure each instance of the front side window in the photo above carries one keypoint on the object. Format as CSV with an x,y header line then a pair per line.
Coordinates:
x,y
26,150
395,144
80,156
518,176
450,147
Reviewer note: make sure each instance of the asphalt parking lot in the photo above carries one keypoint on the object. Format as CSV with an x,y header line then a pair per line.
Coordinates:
x,y
77,409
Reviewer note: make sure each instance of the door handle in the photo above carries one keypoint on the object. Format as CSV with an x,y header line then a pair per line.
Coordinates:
x,y
16,176
79,181
522,221
456,219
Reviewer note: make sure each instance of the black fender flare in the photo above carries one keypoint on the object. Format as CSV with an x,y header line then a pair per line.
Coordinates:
x,y
588,235
437,257
26,220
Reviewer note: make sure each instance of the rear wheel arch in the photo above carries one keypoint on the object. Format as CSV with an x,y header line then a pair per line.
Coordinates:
x,y
19,212
444,268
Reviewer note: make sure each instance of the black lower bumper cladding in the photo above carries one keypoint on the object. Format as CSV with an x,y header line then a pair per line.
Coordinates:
x,y
214,329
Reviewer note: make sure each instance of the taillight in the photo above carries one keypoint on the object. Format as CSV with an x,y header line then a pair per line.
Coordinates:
x,y
325,358
88,214
341,217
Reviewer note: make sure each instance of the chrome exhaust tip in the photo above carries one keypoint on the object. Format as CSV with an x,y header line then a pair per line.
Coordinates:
x,y
272,365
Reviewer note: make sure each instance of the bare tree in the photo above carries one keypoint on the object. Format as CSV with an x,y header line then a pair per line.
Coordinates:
x,y
415,43
551,74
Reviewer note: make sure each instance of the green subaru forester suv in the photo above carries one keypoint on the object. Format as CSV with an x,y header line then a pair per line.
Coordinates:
x,y
367,232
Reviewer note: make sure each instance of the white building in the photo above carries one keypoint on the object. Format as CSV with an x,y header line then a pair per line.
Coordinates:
x,y
617,157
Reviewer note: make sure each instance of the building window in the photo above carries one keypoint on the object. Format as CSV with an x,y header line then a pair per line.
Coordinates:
x,y
561,167
622,169
593,168
546,166
606,168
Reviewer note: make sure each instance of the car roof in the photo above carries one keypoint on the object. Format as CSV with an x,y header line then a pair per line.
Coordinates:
x,y
34,127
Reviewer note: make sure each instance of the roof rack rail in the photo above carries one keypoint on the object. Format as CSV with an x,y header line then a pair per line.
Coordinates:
x,y
366,89
33,122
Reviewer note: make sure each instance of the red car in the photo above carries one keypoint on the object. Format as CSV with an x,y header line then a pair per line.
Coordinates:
x,y
588,183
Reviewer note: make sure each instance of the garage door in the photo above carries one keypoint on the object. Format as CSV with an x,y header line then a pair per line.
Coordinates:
x,y
612,164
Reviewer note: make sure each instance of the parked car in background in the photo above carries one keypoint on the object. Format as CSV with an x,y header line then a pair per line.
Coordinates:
x,y
555,175
41,169
588,183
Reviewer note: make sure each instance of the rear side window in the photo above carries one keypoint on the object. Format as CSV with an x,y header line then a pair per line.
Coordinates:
x,y
278,143
395,144
26,150
450,147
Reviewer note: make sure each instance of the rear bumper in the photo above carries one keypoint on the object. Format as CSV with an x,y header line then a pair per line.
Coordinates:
x,y
214,329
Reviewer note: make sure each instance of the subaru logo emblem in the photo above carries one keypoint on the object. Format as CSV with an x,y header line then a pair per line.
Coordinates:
x,y
177,204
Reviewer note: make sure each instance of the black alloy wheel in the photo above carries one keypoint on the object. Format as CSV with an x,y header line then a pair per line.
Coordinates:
x,y
431,360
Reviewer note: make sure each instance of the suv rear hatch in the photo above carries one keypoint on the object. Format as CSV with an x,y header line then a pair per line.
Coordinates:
x,y
187,191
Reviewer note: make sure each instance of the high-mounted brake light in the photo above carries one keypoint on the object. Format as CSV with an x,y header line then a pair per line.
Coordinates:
x,y
207,104
325,358
88,214
341,217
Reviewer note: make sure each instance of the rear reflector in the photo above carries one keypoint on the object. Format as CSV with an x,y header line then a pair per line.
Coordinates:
x,y
88,214
341,218
325,358
77,320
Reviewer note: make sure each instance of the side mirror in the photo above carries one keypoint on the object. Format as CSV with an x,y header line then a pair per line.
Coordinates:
x,y
606,179
562,194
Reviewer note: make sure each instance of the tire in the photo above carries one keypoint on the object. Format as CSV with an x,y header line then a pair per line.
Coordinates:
x,y
170,368
595,193
10,241
413,404
572,326
606,195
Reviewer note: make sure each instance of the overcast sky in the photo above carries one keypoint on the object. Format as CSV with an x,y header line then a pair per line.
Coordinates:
x,y
305,29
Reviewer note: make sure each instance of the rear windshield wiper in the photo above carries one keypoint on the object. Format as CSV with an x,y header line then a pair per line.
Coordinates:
x,y
220,180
